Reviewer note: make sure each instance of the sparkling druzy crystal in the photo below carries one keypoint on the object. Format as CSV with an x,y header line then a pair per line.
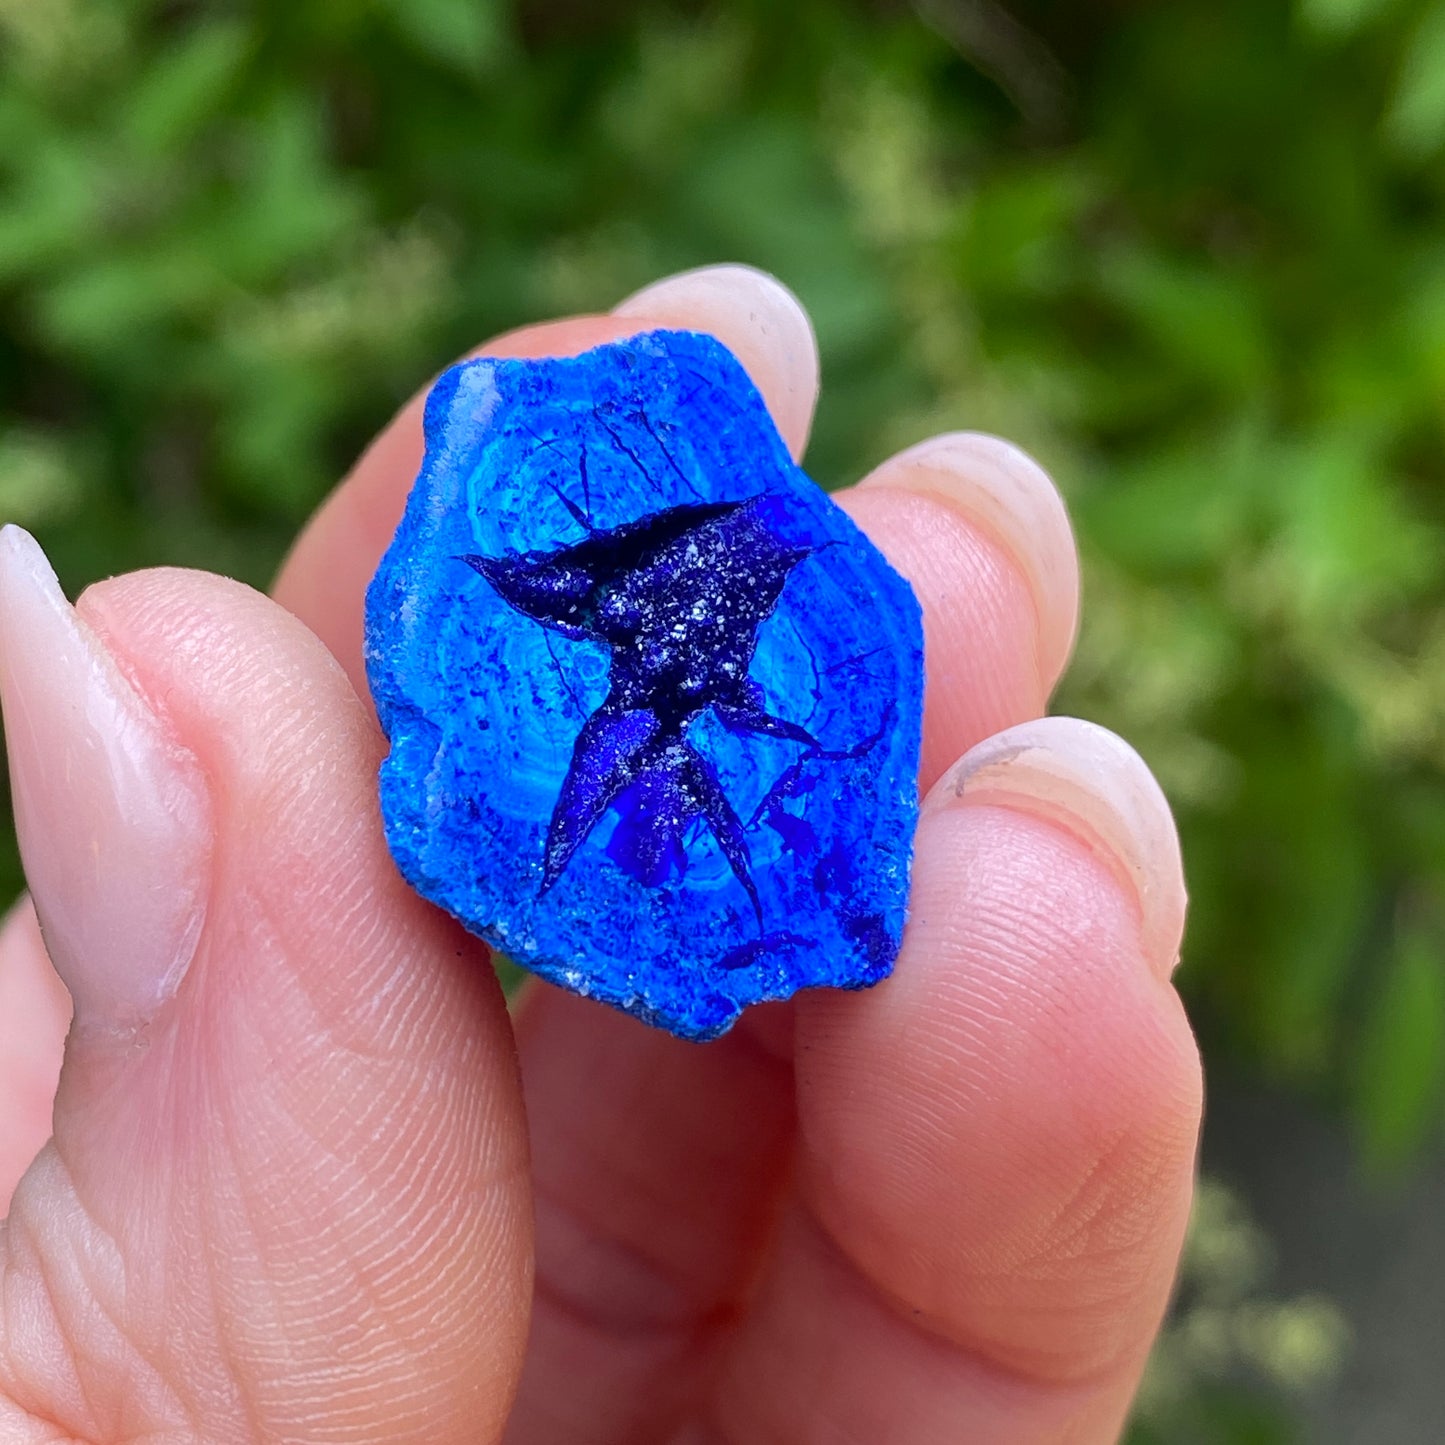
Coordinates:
x,y
653,700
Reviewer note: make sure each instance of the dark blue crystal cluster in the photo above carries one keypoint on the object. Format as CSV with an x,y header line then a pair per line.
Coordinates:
x,y
653,700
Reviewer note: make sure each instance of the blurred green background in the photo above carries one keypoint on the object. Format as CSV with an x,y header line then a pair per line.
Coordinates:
x,y
1192,254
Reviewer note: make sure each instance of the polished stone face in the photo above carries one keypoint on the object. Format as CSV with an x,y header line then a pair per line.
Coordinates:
x,y
661,747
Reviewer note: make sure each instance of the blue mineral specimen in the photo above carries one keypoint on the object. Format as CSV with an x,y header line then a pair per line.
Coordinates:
x,y
653,700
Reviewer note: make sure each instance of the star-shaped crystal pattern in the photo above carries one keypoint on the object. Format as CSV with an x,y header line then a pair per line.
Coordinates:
x,y
678,598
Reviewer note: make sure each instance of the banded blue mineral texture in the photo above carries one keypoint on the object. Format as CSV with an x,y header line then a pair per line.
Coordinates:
x,y
653,699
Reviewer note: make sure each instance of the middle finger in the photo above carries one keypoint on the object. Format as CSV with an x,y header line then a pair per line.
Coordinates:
x,y
659,1164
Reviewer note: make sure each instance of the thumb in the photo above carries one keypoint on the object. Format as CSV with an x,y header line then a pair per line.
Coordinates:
x,y
287,1195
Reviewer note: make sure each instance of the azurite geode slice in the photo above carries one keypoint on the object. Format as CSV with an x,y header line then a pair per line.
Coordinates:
x,y
653,700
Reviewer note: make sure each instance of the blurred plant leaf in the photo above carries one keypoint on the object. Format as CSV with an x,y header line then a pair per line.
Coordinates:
x,y
465,35
42,481
185,85
1204,322
1341,17
1415,121
1400,1068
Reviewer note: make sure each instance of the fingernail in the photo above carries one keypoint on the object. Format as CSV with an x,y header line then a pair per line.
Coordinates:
x,y
112,815
1011,498
759,320
1083,778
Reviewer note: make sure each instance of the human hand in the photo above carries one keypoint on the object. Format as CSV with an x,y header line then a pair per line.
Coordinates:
x,y
290,1193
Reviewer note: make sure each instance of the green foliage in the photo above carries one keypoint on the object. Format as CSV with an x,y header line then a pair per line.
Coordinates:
x,y
1198,272
1415,120
1402,1056
1231,1354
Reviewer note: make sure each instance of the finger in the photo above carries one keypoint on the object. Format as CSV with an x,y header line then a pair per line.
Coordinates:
x,y
590,1075
659,1165
981,532
996,1150
286,1196
324,579
34,1015
323,582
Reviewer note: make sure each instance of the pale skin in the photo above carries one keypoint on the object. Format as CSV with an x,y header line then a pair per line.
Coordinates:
x,y
305,1179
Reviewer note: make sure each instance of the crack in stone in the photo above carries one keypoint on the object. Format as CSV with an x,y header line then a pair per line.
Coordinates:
x,y
678,598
